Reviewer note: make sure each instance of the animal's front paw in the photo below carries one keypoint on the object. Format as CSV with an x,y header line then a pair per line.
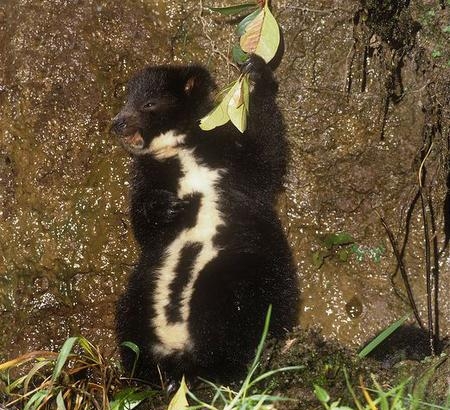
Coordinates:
x,y
260,75
163,207
255,67
175,207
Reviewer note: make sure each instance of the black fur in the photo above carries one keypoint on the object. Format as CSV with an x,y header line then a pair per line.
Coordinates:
x,y
253,268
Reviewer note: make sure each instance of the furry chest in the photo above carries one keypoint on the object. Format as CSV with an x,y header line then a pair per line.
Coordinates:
x,y
186,256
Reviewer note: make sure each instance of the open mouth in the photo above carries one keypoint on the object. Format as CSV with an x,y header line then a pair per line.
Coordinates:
x,y
133,141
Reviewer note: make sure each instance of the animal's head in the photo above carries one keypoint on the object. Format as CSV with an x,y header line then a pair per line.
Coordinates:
x,y
162,102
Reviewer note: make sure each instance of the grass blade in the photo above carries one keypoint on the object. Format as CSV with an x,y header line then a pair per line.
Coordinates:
x,y
88,348
135,348
352,392
263,338
36,399
275,371
218,390
62,357
34,370
18,361
382,336
60,402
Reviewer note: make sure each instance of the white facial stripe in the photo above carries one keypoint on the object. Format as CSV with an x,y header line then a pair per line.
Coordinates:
x,y
164,146
196,178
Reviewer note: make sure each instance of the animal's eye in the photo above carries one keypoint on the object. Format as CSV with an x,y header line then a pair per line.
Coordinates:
x,y
150,105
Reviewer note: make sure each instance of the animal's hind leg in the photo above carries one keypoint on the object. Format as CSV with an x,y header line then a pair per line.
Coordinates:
x,y
228,309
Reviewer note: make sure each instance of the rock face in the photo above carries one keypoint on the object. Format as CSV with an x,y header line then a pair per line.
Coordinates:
x,y
367,106
370,115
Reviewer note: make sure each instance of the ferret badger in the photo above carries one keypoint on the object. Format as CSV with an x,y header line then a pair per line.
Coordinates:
x,y
213,253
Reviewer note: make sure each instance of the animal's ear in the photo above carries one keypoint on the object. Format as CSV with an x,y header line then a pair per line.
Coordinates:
x,y
190,84
197,81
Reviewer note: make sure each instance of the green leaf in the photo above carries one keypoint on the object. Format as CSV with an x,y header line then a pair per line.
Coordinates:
x,y
377,253
219,115
343,255
234,107
262,35
252,33
179,401
383,336
351,390
62,357
129,398
238,116
270,36
337,239
246,92
261,343
335,406
237,94
358,251
321,394
231,10
240,29
238,104
422,381
238,54
15,385
224,91
318,259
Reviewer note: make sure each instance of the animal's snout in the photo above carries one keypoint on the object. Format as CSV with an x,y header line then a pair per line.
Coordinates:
x,y
119,124
126,127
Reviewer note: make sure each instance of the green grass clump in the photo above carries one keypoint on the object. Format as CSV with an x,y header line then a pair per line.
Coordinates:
x,y
68,380
310,373
397,397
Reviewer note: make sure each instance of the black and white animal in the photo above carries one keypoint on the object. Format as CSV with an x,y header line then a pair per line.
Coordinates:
x,y
213,253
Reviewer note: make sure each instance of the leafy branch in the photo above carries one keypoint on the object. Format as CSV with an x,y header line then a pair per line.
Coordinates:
x,y
259,34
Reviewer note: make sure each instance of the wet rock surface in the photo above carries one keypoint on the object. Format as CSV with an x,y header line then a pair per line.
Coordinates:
x,y
370,118
367,108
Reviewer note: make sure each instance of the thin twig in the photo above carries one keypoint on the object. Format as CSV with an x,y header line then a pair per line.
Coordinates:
x,y
428,273
317,11
435,274
422,164
212,42
403,272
